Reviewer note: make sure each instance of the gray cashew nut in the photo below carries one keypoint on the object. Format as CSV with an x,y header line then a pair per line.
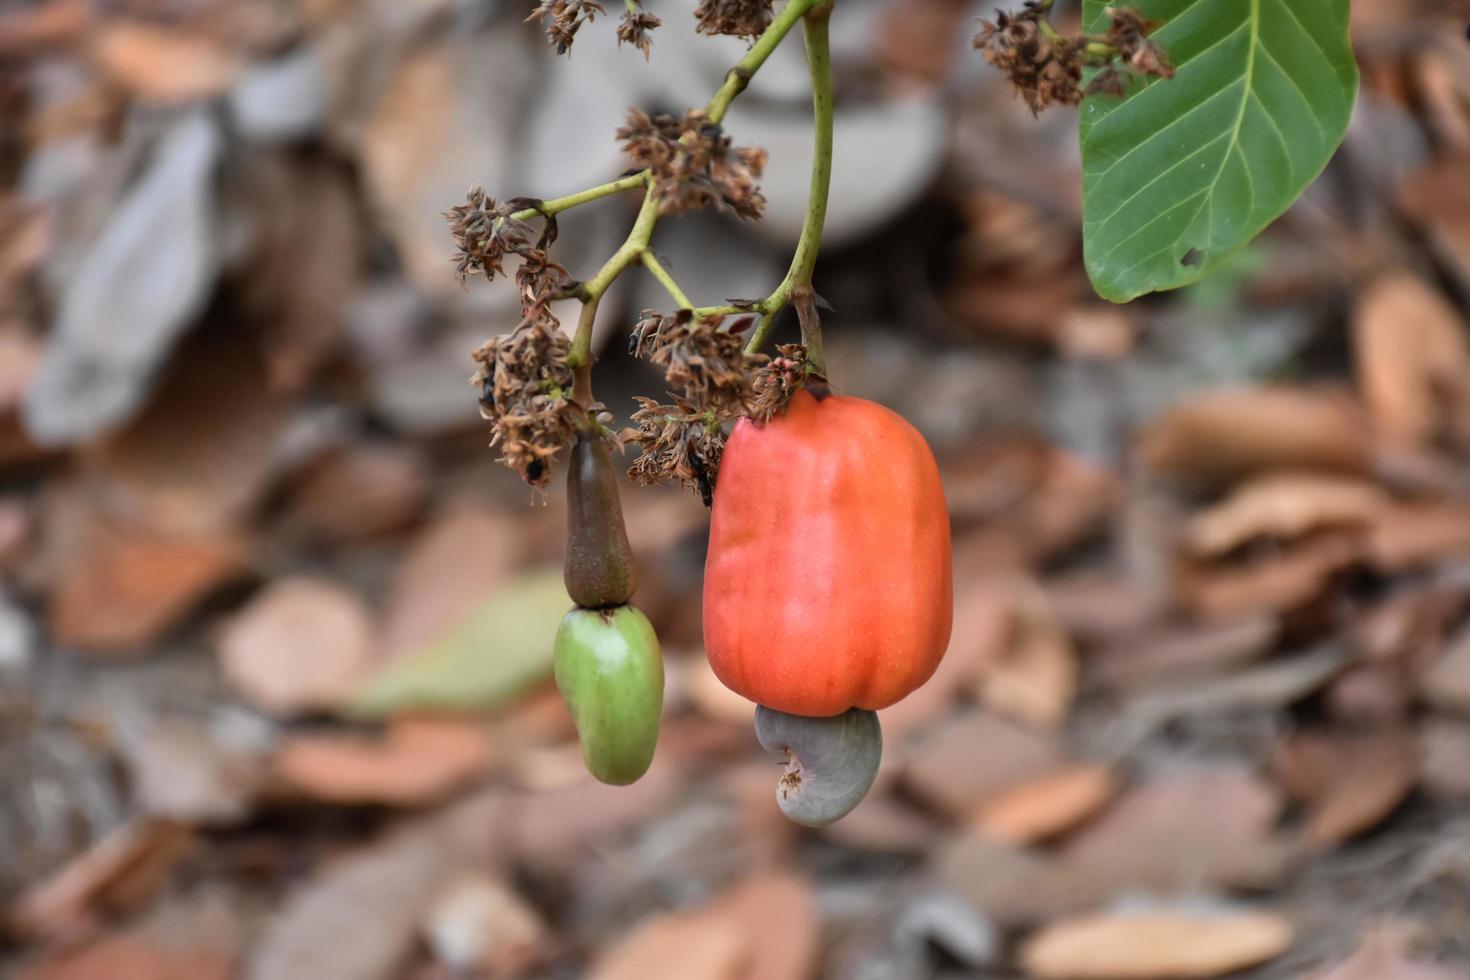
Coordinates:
x,y
831,762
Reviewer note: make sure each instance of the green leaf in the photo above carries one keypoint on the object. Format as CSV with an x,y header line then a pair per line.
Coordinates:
x,y
1181,172
500,650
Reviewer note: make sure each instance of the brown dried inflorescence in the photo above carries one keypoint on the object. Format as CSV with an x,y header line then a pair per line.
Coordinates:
x,y
526,393
1044,67
484,232
563,19
775,382
706,364
634,27
694,164
677,442
1128,35
739,18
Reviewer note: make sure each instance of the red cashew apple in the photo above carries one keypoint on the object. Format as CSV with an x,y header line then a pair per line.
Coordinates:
x,y
828,583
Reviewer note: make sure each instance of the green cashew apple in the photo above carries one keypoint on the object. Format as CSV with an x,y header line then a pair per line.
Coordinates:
x,y
611,675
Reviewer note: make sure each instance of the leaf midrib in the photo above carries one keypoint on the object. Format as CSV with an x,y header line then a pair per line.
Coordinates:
x,y
1253,19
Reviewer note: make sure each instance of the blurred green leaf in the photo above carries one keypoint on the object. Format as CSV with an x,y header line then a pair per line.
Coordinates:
x,y
500,650
1182,172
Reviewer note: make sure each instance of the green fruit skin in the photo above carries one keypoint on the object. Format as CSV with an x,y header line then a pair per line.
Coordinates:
x,y
599,570
611,675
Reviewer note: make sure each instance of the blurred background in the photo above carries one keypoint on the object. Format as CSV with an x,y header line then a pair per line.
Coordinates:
x,y
275,629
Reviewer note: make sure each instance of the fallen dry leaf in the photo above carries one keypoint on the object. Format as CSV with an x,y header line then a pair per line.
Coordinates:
x,y
117,872
159,64
1190,650
1216,436
127,957
180,770
359,493
478,924
1407,536
1270,685
25,30
202,453
882,825
418,761
1096,606
1035,499
153,264
1384,955
455,565
1372,694
1409,350
971,757
1164,944
304,644
1034,678
1180,830
1279,582
555,828
1444,756
303,270
779,918
1349,783
1437,199
1282,505
120,587
1047,805
677,946
355,918
1446,684
764,928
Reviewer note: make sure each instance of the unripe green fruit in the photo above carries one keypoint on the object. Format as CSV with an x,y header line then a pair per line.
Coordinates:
x,y
611,675
599,570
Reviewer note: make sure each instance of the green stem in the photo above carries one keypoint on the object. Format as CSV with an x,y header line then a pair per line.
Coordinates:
x,y
558,204
804,262
656,268
738,77
629,252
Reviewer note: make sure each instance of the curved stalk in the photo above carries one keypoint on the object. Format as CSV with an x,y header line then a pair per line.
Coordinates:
x,y
804,261
656,268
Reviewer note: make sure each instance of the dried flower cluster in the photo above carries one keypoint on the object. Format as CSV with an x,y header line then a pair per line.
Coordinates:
x,y
777,380
677,442
634,27
694,164
1046,67
485,232
706,365
526,393
739,18
1128,35
563,19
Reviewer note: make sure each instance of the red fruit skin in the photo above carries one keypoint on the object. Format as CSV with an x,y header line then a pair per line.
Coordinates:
x,y
828,583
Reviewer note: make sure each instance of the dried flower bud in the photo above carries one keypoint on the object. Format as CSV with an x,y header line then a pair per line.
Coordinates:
x,y
525,391
738,18
694,164
634,27
563,18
